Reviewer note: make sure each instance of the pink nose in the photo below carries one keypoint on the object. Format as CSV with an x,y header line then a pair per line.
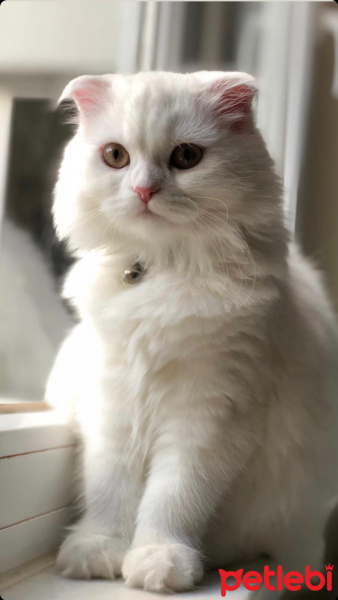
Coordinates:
x,y
146,193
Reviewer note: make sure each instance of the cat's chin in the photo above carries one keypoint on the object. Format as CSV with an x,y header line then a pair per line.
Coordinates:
x,y
149,221
150,215
150,227
150,218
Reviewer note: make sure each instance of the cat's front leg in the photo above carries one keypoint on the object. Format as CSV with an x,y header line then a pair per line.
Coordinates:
x,y
96,546
189,474
165,552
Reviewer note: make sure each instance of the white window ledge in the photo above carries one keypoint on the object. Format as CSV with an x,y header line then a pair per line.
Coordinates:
x,y
29,432
48,584
36,474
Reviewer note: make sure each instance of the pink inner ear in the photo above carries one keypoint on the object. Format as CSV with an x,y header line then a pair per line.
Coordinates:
x,y
89,96
235,101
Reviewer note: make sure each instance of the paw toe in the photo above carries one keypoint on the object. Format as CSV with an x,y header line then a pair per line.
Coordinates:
x,y
162,568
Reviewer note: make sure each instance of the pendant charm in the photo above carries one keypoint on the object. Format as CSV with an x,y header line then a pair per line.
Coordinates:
x,y
133,274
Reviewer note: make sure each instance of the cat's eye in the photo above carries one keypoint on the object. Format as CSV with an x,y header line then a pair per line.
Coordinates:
x,y
185,156
115,156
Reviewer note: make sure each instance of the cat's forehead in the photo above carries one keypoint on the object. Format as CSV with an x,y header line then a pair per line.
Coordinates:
x,y
158,85
155,95
159,106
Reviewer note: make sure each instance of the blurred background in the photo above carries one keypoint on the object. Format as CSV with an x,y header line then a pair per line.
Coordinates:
x,y
292,49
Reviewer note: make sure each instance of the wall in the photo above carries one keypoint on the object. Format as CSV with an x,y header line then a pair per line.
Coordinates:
x,y
318,211
67,36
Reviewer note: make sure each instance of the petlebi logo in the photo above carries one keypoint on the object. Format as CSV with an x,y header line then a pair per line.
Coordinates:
x,y
292,580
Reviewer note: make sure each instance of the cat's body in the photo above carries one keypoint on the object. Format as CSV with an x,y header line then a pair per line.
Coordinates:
x,y
204,390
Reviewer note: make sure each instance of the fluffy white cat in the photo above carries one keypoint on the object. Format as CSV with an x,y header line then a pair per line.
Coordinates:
x,y
202,370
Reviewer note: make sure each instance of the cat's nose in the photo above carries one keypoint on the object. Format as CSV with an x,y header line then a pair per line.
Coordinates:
x,y
146,193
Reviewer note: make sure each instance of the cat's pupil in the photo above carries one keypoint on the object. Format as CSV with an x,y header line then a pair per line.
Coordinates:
x,y
186,154
116,154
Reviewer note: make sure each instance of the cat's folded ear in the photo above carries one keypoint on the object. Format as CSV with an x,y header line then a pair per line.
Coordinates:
x,y
231,96
88,92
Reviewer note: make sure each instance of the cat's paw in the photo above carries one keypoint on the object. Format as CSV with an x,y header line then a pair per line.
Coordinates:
x,y
87,556
162,568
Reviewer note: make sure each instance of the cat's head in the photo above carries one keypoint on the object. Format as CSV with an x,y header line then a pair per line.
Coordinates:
x,y
160,157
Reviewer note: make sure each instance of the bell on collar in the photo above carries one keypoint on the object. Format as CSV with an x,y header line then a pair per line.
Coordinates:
x,y
133,274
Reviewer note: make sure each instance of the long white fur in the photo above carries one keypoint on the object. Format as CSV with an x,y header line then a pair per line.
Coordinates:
x,y
203,393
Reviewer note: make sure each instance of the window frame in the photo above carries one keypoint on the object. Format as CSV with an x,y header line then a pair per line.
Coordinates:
x,y
12,87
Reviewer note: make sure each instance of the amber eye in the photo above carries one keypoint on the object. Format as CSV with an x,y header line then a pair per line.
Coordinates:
x,y
185,156
116,156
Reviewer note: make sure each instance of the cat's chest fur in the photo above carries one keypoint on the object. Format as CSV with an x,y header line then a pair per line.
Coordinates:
x,y
170,347
156,335
161,341
163,313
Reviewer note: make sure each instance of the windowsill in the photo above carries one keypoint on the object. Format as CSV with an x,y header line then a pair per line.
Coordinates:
x,y
36,470
47,584
31,431
17,406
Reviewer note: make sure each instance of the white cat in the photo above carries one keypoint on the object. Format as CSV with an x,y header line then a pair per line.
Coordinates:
x,y
202,368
